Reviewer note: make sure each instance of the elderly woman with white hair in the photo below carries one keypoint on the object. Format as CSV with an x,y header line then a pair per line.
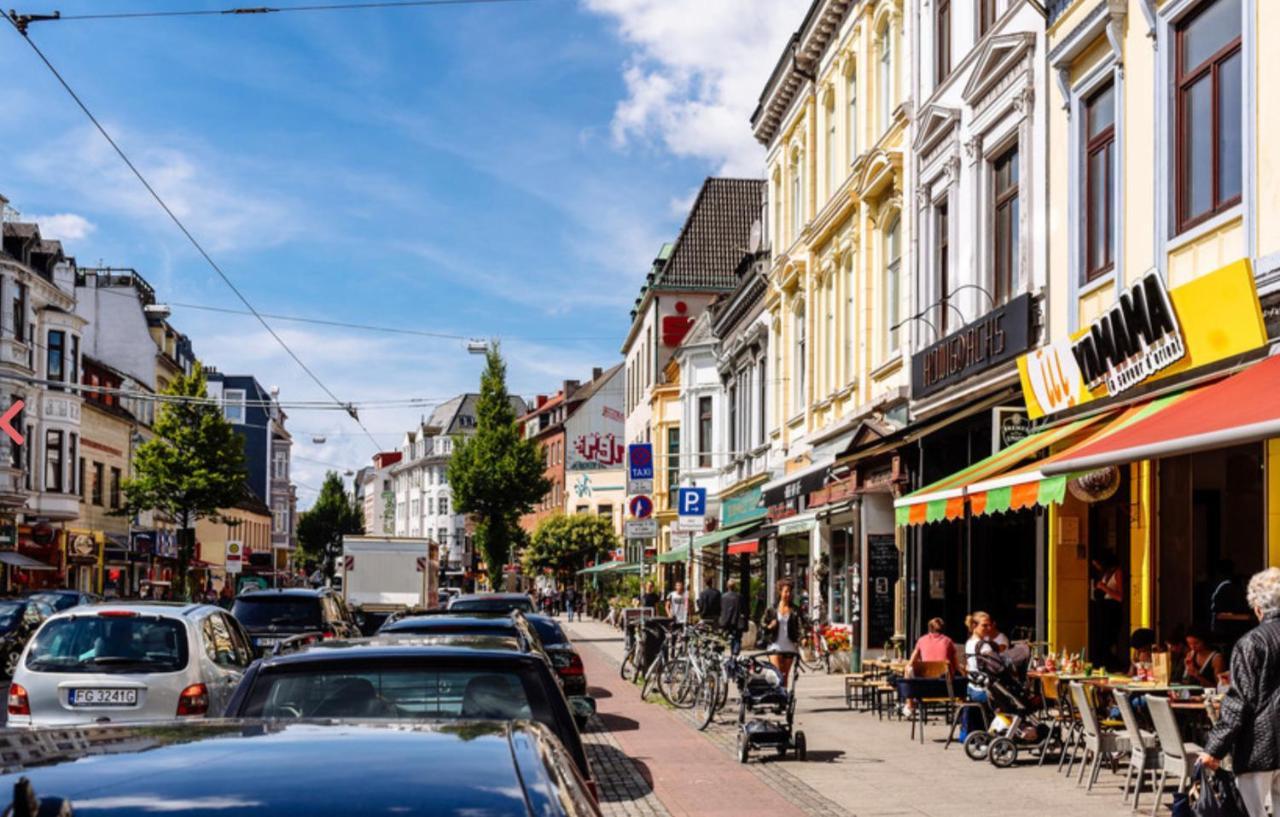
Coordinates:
x,y
1249,728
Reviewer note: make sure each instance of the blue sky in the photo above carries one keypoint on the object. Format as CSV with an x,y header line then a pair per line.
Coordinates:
x,y
504,170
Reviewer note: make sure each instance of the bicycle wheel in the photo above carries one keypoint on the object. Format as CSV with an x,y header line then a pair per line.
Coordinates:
x,y
676,683
628,668
651,676
705,704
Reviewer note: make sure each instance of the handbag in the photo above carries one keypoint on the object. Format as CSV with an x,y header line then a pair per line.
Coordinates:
x,y
1214,794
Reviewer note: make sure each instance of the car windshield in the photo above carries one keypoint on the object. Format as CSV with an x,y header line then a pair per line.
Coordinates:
x,y
549,632
493,604
256,612
10,615
109,644
58,601
393,693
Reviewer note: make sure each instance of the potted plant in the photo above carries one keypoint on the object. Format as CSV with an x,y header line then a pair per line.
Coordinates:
x,y
838,642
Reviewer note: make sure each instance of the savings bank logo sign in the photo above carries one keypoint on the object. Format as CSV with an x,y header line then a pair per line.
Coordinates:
x,y
1137,338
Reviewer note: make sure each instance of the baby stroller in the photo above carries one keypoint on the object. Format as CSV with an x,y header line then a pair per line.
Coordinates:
x,y
761,693
1016,724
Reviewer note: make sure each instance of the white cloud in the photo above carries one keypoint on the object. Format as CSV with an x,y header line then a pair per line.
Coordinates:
x,y
208,191
63,226
696,71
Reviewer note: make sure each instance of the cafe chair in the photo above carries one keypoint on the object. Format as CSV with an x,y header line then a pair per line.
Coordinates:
x,y
930,671
1098,742
1144,749
1057,718
1073,730
962,703
1177,757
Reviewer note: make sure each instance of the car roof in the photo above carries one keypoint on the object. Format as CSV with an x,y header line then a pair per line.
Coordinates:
x,y
274,592
166,609
504,596
456,619
392,647
246,767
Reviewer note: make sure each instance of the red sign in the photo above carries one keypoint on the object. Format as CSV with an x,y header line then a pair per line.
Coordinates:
x,y
348,563
422,564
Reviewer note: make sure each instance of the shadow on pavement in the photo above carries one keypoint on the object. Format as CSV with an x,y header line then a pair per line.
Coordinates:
x,y
599,693
617,784
823,756
617,723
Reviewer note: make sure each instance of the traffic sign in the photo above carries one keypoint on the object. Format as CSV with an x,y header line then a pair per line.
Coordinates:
x,y
640,461
641,507
692,502
691,524
235,557
640,528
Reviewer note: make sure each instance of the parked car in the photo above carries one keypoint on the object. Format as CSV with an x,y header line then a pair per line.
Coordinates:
x,y
19,620
271,616
61,600
462,677
236,768
542,633
491,602
129,661
564,656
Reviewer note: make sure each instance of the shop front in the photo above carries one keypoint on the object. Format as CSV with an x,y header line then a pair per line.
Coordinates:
x,y
84,553
35,560
796,545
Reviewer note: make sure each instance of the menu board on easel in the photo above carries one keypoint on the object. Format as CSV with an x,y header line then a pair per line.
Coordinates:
x,y
882,575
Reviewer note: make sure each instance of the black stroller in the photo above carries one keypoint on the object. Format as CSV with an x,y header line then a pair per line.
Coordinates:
x,y
1016,724
762,693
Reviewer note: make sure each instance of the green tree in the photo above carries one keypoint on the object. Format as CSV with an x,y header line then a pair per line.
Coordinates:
x,y
322,526
191,468
565,542
496,474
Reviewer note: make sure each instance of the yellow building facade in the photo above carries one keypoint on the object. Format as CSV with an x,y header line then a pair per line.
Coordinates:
x,y
1160,166
835,125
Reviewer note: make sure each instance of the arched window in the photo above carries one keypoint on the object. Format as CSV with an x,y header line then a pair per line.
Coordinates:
x,y
892,285
852,137
797,195
830,157
798,365
886,76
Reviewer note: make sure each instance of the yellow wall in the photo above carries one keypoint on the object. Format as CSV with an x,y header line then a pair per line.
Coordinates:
x,y
104,438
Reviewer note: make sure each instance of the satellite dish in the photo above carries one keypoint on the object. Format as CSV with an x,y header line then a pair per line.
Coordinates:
x,y
756,237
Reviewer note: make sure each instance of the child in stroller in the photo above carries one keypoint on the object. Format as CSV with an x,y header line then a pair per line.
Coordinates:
x,y
1014,705
762,691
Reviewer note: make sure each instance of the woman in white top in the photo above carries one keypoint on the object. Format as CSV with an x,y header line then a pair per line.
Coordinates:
x,y
982,641
781,626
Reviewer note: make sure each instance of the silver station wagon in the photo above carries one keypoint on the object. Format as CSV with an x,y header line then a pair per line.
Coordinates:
x,y
121,662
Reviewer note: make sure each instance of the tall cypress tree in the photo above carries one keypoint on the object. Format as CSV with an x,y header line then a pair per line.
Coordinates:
x,y
496,474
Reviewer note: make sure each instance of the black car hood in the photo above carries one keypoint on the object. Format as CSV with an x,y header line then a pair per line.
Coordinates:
x,y
230,768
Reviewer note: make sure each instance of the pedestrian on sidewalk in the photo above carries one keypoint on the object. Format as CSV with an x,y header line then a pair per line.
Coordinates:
x,y
709,602
1249,727
650,598
733,616
678,604
570,603
781,625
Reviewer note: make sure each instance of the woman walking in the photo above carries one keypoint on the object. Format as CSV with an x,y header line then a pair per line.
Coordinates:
x,y
782,626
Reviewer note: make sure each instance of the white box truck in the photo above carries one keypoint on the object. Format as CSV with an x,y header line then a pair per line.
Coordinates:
x,y
385,574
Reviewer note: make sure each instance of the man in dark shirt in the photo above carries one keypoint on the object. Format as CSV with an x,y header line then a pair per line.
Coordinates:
x,y
709,602
650,597
733,616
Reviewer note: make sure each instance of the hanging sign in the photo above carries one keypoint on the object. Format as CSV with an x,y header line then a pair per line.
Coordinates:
x,y
1000,335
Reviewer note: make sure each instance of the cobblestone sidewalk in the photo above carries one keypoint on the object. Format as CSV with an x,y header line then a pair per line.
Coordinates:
x,y
623,789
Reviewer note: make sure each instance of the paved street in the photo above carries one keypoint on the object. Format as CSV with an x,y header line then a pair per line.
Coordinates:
x,y
651,760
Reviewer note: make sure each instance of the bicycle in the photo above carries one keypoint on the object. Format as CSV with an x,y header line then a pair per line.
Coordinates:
x,y
632,628
815,652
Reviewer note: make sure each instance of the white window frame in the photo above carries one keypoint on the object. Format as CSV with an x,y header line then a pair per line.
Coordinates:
x,y
891,285
233,401
799,351
851,114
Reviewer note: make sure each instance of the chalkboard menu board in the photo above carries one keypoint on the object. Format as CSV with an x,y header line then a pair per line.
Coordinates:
x,y
882,575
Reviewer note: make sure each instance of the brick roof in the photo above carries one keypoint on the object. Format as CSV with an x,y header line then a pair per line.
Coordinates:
x,y
714,236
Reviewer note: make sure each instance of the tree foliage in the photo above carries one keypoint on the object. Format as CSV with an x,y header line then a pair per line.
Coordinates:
x,y
193,467
496,474
566,542
322,526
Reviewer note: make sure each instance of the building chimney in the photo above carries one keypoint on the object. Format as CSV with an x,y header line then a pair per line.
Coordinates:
x,y
570,386
540,401
596,371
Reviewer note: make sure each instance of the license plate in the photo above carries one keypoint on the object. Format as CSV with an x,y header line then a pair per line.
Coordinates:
x,y
266,642
104,697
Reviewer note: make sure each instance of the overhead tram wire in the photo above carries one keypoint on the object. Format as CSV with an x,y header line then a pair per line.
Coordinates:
x,y
177,221
22,20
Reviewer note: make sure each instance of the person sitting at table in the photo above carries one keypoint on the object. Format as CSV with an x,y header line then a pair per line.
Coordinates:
x,y
935,645
998,637
1176,646
1142,642
1203,663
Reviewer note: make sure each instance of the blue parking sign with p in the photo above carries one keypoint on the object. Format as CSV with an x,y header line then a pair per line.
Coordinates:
x,y
640,460
692,501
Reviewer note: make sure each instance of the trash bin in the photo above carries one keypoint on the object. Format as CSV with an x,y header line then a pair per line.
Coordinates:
x,y
651,638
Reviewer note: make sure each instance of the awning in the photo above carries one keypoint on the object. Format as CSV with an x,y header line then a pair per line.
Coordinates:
x,y
18,560
603,567
713,539
797,524
1031,485
680,554
797,483
744,546
944,499
1243,408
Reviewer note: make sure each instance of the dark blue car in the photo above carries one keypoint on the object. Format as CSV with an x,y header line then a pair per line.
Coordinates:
x,y
232,768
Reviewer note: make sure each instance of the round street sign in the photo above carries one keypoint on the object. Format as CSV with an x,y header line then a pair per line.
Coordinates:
x,y
641,507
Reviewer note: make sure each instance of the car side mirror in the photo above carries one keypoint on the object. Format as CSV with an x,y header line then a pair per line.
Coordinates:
x,y
583,706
